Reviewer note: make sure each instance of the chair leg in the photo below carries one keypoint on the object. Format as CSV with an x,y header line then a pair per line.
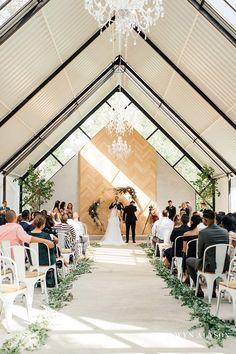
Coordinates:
x,y
45,288
8,309
218,301
55,276
233,296
197,285
210,284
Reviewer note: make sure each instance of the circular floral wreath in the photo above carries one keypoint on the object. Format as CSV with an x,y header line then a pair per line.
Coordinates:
x,y
93,209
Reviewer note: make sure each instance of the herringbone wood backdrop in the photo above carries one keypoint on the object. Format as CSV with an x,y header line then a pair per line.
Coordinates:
x,y
100,172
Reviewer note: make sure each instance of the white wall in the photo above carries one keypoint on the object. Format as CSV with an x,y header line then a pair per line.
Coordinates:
x,y
222,202
12,192
66,185
170,185
233,195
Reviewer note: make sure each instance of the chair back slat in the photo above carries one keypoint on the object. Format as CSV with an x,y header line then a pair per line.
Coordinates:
x,y
176,240
6,248
35,254
61,240
220,252
19,258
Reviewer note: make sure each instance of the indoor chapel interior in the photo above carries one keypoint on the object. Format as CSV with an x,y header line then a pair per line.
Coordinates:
x,y
118,176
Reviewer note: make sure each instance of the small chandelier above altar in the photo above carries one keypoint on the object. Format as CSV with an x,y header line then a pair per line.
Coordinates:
x,y
119,148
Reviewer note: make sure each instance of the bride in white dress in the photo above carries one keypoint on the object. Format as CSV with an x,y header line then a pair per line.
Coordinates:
x,y
113,234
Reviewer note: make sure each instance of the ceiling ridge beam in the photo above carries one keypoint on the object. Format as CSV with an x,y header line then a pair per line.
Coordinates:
x,y
213,21
16,158
179,118
54,74
187,79
71,131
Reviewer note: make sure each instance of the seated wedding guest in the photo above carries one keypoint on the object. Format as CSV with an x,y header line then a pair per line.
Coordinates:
x,y
179,231
49,226
211,235
171,210
177,221
190,235
70,235
16,234
56,206
161,230
25,222
80,232
3,209
39,224
62,207
228,222
69,208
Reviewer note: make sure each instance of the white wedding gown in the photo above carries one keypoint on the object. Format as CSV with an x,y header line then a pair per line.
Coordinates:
x,y
113,234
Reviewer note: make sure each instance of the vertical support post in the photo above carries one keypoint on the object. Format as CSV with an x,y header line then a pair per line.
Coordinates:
x,y
229,193
4,186
20,198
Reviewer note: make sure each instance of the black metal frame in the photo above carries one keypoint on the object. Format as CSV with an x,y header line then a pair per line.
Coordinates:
x,y
55,73
24,151
185,153
66,136
187,79
128,70
213,21
22,20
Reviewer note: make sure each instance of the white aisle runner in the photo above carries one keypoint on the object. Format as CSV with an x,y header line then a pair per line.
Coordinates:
x,y
122,307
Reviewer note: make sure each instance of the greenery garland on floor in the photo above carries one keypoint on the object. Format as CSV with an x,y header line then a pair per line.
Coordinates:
x,y
215,330
59,297
36,334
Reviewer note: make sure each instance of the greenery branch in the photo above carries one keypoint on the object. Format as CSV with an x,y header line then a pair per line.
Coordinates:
x,y
36,334
215,330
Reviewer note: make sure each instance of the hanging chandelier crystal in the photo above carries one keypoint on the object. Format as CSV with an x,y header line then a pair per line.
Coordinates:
x,y
119,148
121,120
129,14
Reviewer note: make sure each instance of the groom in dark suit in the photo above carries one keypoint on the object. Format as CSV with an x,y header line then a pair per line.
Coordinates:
x,y
130,218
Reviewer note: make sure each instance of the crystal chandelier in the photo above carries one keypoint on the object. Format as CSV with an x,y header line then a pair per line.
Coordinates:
x,y
121,121
129,14
119,148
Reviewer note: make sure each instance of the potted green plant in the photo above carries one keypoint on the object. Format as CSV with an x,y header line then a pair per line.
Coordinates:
x,y
36,189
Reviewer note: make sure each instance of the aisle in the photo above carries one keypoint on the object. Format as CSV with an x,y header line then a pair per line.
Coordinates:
x,y
122,307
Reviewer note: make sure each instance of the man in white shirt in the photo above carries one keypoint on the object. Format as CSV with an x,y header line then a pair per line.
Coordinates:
x,y
161,230
80,232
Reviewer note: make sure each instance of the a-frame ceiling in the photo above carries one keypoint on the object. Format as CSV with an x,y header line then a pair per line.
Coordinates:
x,y
185,65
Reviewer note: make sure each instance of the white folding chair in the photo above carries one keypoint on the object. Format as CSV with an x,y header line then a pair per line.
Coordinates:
x,y
220,256
177,262
30,278
228,286
65,252
9,292
42,268
187,248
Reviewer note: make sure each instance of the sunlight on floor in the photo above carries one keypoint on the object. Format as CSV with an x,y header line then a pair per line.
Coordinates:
x,y
112,326
158,340
119,256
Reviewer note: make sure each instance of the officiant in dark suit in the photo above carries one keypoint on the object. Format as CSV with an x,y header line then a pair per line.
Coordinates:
x,y
129,217
117,204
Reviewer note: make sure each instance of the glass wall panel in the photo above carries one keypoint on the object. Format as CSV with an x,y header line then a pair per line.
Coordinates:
x,y
141,123
71,146
49,167
187,169
97,121
165,147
